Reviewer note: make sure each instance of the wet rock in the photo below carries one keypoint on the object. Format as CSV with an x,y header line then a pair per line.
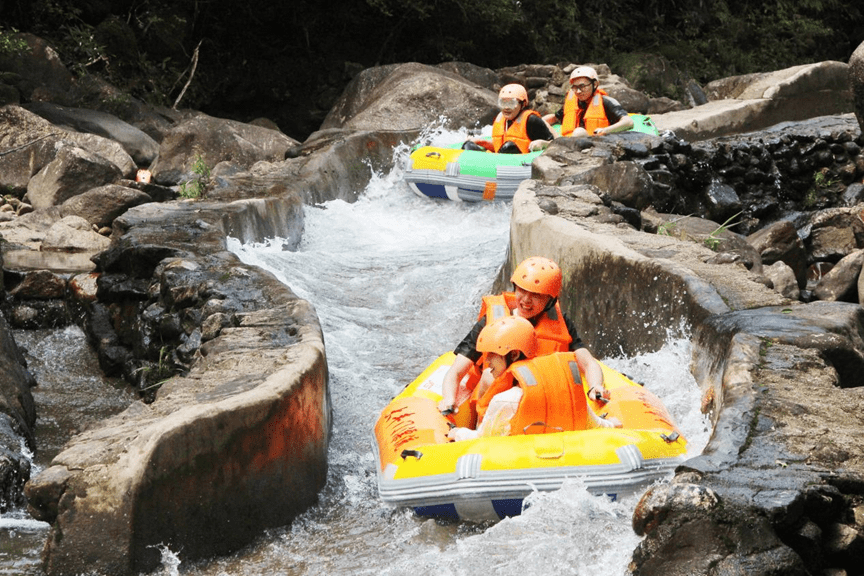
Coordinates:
x,y
844,545
779,242
841,283
658,501
723,202
39,285
625,182
783,279
73,234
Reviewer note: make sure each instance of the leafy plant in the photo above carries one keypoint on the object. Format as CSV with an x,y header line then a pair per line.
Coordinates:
x,y
713,240
11,44
196,187
666,228
821,183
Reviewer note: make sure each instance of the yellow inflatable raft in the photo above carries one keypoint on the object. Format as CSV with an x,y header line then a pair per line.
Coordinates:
x,y
487,478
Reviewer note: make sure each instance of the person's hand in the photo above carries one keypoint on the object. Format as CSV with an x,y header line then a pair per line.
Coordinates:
x,y
536,145
444,405
458,434
600,132
599,394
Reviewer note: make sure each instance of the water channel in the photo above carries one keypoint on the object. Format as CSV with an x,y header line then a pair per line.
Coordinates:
x,y
396,280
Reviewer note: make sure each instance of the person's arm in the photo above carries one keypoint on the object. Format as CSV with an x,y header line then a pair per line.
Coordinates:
x,y
539,132
461,365
592,372
619,119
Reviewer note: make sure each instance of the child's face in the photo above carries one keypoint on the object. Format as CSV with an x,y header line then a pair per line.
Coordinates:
x,y
496,363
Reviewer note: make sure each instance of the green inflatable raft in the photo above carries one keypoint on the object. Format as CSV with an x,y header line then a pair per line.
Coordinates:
x,y
450,173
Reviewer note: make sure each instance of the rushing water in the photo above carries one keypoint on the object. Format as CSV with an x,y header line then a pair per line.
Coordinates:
x,y
396,280
71,395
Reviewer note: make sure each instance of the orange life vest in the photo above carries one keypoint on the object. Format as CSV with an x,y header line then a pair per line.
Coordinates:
x,y
594,115
517,132
553,397
550,328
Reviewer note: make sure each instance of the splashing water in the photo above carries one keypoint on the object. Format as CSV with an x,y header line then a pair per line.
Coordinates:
x,y
396,280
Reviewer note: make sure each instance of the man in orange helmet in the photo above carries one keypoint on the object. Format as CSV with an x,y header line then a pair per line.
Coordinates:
x,y
536,286
588,110
517,129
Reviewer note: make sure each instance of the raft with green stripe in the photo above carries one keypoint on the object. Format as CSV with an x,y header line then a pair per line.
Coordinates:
x,y
450,173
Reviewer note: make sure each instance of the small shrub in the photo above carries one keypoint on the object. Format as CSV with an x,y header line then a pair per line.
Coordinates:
x,y
197,186
11,44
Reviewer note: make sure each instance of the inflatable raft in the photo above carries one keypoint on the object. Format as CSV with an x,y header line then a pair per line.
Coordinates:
x,y
487,478
451,173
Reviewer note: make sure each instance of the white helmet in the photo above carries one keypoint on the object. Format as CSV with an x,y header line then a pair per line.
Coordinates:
x,y
584,72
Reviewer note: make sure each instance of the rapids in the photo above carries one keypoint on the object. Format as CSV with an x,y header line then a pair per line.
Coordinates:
x,y
396,279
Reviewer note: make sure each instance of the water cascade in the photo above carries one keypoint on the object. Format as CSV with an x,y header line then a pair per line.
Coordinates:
x,y
396,280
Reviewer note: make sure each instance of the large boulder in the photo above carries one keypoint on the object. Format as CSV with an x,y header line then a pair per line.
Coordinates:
x,y
856,80
208,140
141,147
72,171
745,103
40,74
28,142
411,97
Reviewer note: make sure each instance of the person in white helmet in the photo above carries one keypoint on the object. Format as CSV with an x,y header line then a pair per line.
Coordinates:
x,y
517,129
588,110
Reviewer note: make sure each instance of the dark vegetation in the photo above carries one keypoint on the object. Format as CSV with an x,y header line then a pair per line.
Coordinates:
x,y
288,60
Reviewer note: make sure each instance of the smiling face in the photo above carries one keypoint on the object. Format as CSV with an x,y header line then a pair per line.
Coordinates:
x,y
510,107
496,363
530,304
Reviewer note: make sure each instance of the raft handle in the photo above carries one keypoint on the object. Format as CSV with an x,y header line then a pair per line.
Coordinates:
x,y
671,437
415,453
433,155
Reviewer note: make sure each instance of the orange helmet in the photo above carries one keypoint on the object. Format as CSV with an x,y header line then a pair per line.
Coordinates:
x,y
507,334
516,91
538,274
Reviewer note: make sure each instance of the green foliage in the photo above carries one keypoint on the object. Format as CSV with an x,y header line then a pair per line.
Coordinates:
x,y
11,44
713,240
197,186
283,59
822,184
666,229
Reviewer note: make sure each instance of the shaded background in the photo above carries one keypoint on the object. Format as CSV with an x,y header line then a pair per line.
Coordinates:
x,y
289,60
